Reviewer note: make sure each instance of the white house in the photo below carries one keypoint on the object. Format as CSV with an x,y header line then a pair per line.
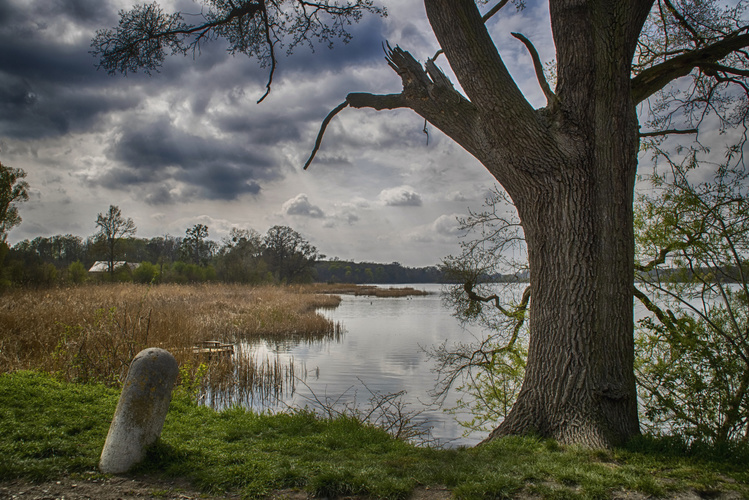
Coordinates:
x,y
102,266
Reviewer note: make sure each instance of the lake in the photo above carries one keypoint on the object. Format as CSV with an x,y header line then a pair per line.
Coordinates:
x,y
382,350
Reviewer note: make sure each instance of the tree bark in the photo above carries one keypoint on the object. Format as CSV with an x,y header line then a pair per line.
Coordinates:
x,y
579,385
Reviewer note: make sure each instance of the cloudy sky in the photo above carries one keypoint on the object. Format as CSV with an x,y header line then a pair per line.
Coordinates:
x,y
190,145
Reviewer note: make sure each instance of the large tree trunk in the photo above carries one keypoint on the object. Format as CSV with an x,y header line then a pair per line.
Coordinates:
x,y
570,170
579,385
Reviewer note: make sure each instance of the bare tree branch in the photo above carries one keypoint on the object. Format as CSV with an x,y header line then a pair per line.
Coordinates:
x,y
652,79
271,48
482,74
698,39
494,10
711,69
427,92
324,125
551,98
668,132
660,259
378,102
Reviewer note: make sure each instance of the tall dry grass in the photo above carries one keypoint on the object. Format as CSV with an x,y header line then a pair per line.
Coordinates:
x,y
91,333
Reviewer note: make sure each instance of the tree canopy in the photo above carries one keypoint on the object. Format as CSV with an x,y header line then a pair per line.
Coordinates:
x,y
146,34
290,257
13,190
113,227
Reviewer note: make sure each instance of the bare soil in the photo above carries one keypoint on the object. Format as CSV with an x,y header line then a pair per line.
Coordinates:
x,y
98,487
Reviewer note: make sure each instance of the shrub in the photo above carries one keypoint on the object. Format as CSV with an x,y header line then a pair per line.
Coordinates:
x,y
146,273
77,272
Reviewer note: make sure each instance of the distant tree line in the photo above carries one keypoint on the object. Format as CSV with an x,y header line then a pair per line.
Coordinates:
x,y
282,255
339,271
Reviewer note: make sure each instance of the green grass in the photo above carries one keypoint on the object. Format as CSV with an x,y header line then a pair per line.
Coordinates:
x,y
49,429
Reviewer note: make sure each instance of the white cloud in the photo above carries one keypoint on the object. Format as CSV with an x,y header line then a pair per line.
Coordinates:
x,y
457,196
447,225
301,206
444,229
401,196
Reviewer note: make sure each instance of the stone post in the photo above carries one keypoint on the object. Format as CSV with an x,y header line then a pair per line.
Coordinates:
x,y
141,410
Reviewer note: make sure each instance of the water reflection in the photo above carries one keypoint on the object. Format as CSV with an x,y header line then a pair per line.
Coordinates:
x,y
380,351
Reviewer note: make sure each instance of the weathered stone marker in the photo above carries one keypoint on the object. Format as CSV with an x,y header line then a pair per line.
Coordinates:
x,y
141,410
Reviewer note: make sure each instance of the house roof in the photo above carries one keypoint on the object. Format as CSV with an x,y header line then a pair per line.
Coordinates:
x,y
102,266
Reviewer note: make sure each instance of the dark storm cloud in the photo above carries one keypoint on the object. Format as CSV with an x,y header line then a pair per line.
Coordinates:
x,y
364,47
214,168
263,130
49,61
49,86
32,110
6,13
226,181
159,195
90,12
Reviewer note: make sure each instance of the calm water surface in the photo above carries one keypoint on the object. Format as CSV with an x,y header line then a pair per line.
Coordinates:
x,y
383,351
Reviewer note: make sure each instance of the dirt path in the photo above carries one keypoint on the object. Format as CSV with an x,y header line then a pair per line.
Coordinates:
x,y
146,487
142,487
100,488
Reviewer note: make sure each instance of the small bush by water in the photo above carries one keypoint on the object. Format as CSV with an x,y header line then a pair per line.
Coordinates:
x,y
50,428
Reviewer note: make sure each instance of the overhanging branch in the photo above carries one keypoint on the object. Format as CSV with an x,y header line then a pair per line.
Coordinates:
x,y
324,125
357,100
376,101
666,317
711,69
658,260
518,313
656,77
272,51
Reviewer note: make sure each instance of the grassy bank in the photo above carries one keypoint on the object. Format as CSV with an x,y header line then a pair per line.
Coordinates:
x,y
50,429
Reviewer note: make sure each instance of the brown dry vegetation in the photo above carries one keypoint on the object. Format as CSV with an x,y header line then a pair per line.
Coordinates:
x,y
92,332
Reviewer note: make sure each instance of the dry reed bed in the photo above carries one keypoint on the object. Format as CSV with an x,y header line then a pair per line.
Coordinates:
x,y
92,332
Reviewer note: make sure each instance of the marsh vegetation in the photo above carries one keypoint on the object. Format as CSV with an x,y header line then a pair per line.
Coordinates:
x,y
90,333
